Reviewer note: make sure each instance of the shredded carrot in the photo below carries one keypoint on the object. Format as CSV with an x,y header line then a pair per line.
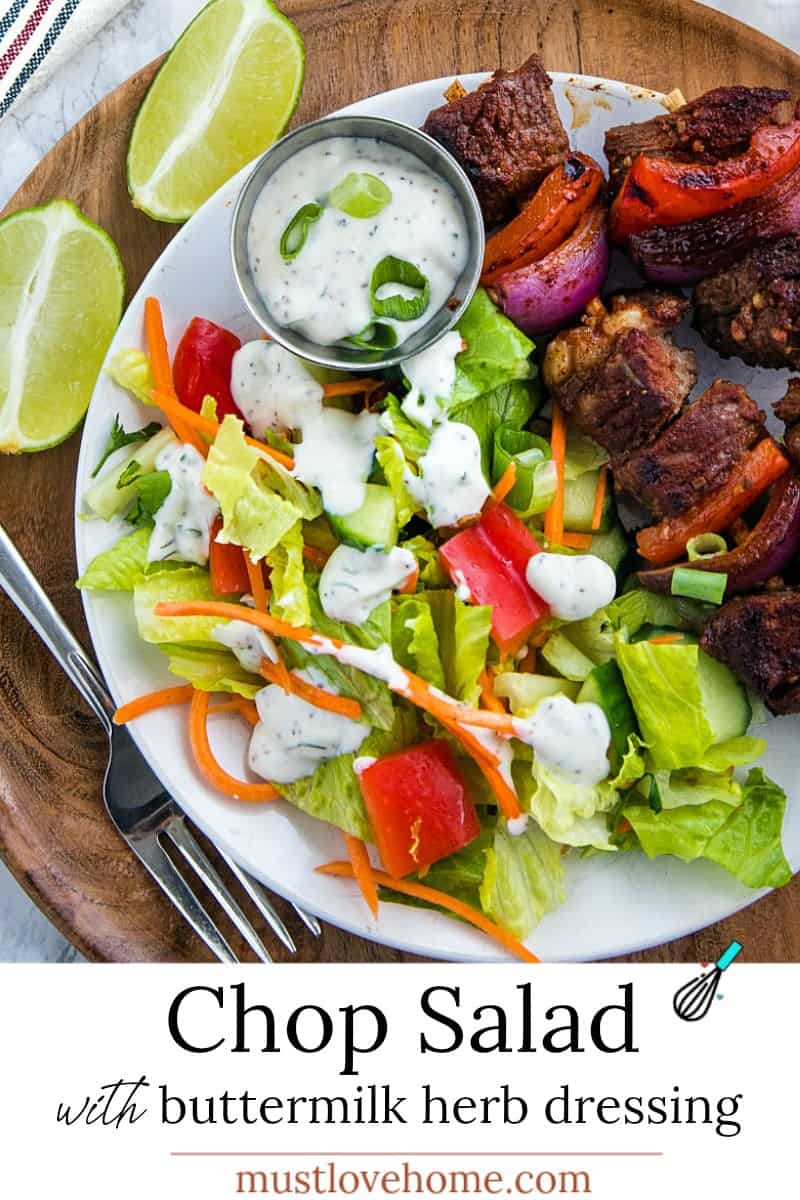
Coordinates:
x,y
420,891
245,708
258,589
665,639
314,555
350,387
150,702
207,763
408,685
554,517
173,409
410,585
599,497
488,698
162,371
308,691
362,871
489,766
576,541
504,484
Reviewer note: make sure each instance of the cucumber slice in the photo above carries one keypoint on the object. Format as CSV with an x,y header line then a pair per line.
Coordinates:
x,y
579,497
606,687
613,547
725,703
374,524
560,654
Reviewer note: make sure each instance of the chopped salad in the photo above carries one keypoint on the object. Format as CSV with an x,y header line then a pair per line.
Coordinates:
x,y
413,588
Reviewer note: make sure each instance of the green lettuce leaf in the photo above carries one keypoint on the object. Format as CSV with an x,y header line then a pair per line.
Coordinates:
x,y
745,839
691,785
509,404
333,794
431,572
182,584
497,352
253,515
524,690
536,476
211,670
523,880
633,765
131,369
571,813
393,464
582,454
289,594
736,752
463,634
121,567
413,439
415,643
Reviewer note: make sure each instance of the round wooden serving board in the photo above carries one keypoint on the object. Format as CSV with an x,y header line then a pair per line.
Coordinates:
x,y
53,832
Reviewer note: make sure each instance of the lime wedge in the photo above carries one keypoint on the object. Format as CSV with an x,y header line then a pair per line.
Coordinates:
x,y
225,93
62,286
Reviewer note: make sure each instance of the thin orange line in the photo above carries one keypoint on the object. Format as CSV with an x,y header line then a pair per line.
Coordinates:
x,y
417,1154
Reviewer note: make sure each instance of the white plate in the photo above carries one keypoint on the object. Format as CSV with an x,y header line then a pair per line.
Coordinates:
x,y
616,904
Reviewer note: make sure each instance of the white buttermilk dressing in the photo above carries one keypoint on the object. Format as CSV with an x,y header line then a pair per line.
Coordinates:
x,y
249,644
324,292
463,589
571,739
293,737
353,582
336,455
432,376
574,585
183,522
272,388
451,483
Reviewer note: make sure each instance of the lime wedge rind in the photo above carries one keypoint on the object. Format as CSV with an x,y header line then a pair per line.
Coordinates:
x,y
46,317
162,190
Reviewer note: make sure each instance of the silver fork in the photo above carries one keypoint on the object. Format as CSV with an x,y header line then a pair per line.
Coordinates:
x,y
144,814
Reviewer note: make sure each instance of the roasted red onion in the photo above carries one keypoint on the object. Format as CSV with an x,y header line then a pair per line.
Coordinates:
x,y
771,546
682,254
546,295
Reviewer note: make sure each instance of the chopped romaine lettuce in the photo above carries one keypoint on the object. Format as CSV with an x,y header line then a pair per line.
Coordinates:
x,y
524,690
509,404
211,670
393,464
415,643
568,812
463,632
496,351
414,440
124,565
565,658
431,571
691,785
523,880
186,583
253,514
131,369
744,839
289,593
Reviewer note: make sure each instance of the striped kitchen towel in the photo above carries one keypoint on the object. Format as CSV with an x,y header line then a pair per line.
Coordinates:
x,y
38,36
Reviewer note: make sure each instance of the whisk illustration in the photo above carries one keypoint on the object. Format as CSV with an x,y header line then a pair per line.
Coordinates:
x,y
692,1001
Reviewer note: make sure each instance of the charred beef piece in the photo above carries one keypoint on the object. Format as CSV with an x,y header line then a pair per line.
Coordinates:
x,y
752,308
507,135
694,455
756,636
618,375
788,411
717,125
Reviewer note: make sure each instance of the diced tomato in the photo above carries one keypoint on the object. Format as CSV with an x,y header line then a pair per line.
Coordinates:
x,y
492,557
202,366
419,807
226,565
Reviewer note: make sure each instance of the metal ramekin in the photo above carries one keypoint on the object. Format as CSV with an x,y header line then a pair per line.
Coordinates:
x,y
438,160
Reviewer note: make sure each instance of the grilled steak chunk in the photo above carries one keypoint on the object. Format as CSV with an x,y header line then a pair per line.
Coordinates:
x,y
717,125
695,454
752,308
618,374
756,636
506,135
788,411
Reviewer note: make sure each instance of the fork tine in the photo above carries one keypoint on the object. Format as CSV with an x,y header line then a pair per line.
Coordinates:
x,y
262,902
309,920
175,887
185,842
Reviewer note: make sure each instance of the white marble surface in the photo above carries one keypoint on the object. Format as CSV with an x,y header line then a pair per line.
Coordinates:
x,y
143,30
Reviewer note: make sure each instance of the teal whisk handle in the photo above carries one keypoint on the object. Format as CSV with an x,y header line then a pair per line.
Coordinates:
x,y
726,958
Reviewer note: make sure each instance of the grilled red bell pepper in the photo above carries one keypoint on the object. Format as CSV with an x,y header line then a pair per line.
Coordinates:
x,y
226,565
419,807
491,558
661,191
202,366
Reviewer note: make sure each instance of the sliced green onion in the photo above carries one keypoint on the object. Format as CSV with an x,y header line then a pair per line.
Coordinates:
x,y
708,586
294,235
706,545
536,480
360,195
375,336
397,306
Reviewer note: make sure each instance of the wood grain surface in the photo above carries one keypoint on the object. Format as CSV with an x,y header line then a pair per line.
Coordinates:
x,y
53,834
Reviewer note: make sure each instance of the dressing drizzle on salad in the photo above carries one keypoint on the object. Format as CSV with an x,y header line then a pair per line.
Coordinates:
x,y
353,582
272,388
183,522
